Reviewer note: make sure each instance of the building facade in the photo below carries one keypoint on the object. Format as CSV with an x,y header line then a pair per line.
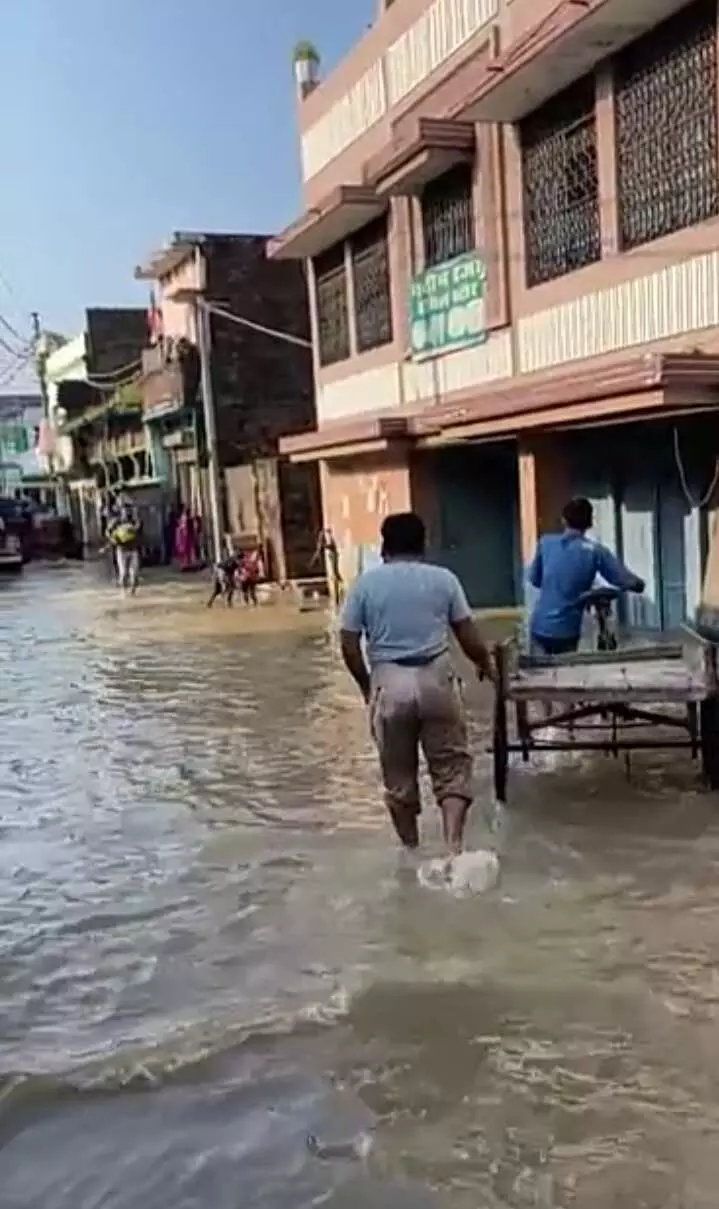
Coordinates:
x,y
262,389
21,470
511,227
97,441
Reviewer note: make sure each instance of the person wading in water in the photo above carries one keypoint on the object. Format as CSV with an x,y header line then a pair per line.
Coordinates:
x,y
406,609
125,537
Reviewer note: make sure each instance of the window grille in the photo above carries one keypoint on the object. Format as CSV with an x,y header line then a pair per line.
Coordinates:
x,y
560,184
666,127
371,279
448,215
332,312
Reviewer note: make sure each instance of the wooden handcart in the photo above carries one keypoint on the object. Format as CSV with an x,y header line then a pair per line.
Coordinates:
x,y
608,701
614,703
612,700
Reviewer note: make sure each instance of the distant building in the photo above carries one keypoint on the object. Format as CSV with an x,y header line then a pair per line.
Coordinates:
x,y
21,469
97,437
262,388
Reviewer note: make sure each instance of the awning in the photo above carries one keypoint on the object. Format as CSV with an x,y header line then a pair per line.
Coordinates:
x,y
340,213
554,51
347,438
420,150
642,384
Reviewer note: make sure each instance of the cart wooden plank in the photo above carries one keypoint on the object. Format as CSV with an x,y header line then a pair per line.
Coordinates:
x,y
669,680
638,654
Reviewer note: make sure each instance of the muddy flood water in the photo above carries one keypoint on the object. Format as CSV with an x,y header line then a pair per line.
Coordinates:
x,y
209,954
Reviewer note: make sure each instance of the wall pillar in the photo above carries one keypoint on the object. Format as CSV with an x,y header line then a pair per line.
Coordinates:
x,y
607,163
544,488
400,238
425,496
351,300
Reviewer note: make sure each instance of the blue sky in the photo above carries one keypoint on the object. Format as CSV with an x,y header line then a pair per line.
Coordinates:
x,y
123,120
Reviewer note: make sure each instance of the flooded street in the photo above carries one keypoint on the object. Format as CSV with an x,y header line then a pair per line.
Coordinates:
x,y
209,952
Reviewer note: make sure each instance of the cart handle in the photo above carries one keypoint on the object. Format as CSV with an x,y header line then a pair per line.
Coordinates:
x,y
600,596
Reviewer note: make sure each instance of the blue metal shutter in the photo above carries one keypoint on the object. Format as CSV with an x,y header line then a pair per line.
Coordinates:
x,y
672,513
639,552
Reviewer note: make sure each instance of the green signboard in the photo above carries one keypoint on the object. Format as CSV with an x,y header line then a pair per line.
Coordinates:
x,y
15,438
447,306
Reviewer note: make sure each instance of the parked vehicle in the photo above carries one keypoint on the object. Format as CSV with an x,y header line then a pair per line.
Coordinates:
x,y
16,520
11,556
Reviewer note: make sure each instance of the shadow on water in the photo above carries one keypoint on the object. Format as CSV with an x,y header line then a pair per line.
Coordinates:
x,y
209,952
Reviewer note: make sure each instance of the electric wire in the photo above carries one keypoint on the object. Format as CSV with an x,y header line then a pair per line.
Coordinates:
x,y
131,368
684,480
11,373
256,327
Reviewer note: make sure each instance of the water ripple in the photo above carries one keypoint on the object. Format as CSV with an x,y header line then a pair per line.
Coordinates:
x,y
208,953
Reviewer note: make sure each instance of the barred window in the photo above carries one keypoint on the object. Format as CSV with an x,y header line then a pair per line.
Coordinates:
x,y
448,215
370,274
560,184
666,127
332,313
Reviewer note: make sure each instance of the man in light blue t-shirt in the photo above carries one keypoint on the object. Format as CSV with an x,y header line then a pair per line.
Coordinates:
x,y
405,610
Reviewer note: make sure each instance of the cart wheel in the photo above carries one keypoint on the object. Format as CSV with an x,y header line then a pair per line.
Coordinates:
x,y
709,736
500,742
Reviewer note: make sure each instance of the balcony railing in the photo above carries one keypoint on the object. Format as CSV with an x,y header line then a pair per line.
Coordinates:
x,y
110,447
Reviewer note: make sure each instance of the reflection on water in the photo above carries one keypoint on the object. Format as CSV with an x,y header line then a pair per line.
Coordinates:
x,y
209,952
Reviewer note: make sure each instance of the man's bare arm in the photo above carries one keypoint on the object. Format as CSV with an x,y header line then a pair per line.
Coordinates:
x,y
475,649
351,648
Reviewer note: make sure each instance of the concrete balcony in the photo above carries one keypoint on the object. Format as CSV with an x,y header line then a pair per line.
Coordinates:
x,y
170,379
545,46
410,50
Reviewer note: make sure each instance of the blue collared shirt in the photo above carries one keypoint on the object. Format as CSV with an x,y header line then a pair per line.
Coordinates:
x,y
565,566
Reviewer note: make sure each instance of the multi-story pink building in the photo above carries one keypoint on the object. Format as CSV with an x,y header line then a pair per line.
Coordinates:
x,y
511,228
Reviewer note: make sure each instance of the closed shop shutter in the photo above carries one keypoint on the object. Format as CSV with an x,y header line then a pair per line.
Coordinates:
x,y
639,551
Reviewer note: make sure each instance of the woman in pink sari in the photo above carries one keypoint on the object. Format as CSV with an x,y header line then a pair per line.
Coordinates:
x,y
186,541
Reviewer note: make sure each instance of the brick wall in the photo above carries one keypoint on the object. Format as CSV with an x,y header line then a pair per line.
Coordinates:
x,y
263,390
263,386
116,337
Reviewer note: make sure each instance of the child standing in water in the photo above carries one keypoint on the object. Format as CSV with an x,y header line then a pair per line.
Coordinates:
x,y
250,575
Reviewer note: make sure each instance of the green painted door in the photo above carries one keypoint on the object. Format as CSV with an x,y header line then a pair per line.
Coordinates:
x,y
479,523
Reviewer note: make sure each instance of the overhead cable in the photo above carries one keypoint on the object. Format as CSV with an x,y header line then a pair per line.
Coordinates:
x,y
12,330
131,367
256,327
12,372
15,352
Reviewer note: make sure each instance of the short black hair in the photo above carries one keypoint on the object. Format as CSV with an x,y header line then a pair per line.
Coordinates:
x,y
578,514
403,533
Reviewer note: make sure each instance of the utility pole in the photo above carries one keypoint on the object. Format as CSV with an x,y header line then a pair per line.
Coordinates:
x,y
40,364
41,355
208,404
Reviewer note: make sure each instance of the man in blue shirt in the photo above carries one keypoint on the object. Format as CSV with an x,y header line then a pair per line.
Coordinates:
x,y
405,610
564,568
